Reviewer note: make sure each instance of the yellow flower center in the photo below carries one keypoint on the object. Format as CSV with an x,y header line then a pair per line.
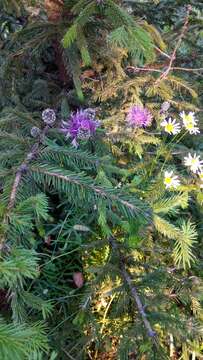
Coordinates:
x,y
189,125
168,180
188,118
194,161
169,127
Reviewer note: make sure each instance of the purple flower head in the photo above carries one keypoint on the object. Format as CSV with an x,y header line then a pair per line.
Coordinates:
x,y
139,117
81,125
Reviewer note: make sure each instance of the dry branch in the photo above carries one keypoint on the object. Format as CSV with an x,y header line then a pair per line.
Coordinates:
x,y
128,280
173,56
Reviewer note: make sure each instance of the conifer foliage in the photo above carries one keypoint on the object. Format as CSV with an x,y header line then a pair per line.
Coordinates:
x,y
101,182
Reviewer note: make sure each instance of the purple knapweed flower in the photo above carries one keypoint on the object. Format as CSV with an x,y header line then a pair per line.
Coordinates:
x,y
139,117
49,116
81,125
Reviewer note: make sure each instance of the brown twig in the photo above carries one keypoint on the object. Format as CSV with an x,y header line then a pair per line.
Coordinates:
x,y
22,169
24,166
147,69
173,56
128,280
187,69
162,52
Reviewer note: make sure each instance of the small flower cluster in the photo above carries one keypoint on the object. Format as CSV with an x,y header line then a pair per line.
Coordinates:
x,y
195,165
140,117
189,123
81,125
49,118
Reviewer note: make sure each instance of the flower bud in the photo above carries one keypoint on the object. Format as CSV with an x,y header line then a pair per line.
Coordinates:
x,y
35,131
49,116
165,106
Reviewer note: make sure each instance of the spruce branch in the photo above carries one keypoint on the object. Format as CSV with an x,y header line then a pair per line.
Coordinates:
x,y
170,67
128,280
63,179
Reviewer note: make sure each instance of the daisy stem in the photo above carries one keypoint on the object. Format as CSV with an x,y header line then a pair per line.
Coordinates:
x,y
181,137
167,146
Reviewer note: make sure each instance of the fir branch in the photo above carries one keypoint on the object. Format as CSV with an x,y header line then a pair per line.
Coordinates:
x,y
169,205
20,341
127,278
72,155
62,179
184,245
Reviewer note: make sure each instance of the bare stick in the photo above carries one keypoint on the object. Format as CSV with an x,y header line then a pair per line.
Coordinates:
x,y
147,69
24,166
162,52
127,278
22,169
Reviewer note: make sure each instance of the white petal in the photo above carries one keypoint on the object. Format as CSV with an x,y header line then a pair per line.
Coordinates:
x,y
168,173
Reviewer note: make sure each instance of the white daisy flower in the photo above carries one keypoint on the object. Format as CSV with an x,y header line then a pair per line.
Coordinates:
x,y
193,130
193,162
189,122
170,180
171,126
188,118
